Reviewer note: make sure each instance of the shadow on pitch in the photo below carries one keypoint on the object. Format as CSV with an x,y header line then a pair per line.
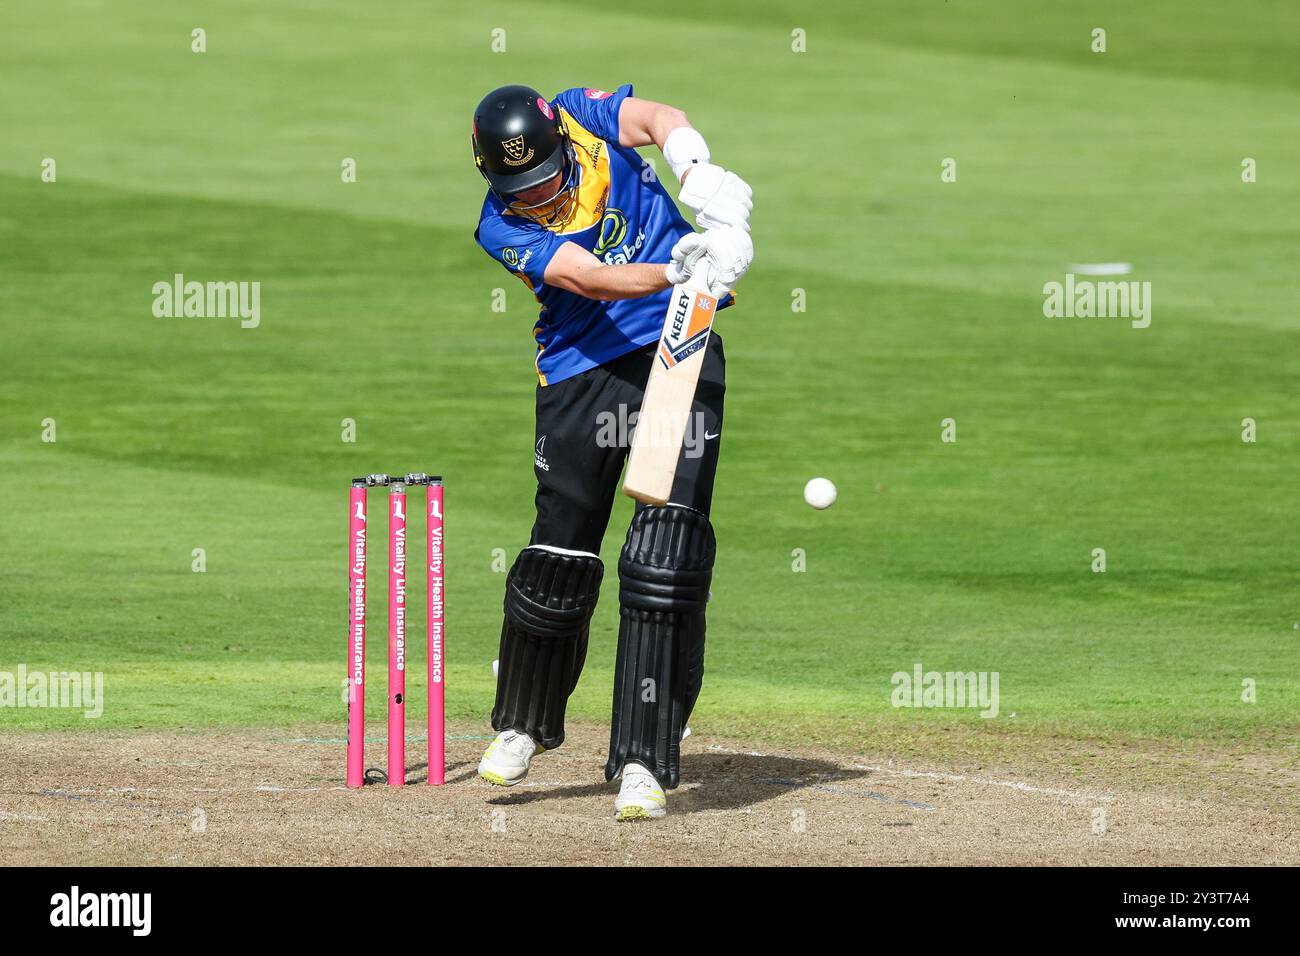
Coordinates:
x,y
725,782
418,773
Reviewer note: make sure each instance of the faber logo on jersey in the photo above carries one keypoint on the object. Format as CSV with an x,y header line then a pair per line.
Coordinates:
x,y
597,94
511,258
515,153
611,243
626,253
613,230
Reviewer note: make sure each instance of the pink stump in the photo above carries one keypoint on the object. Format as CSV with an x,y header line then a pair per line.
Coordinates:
x,y
356,747
396,634
437,728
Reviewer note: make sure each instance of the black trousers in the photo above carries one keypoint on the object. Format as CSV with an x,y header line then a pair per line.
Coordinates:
x,y
582,442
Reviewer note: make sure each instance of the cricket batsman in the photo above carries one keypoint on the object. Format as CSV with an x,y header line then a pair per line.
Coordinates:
x,y
585,223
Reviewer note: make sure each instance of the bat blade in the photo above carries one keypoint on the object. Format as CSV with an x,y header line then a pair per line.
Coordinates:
x,y
669,395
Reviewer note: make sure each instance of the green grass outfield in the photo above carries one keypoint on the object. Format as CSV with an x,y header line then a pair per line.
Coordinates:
x,y
923,302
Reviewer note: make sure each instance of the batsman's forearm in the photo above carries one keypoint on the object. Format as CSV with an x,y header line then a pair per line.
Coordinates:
x,y
630,281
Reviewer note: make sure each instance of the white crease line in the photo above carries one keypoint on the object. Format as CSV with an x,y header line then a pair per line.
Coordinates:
x,y
743,753
954,777
1013,784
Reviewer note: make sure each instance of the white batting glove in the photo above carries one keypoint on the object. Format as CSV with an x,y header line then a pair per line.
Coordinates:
x,y
686,253
712,283
730,252
717,197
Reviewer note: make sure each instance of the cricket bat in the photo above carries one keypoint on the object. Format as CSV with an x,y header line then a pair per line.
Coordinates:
x,y
670,391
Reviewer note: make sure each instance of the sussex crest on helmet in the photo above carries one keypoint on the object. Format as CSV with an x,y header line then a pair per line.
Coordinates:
x,y
516,155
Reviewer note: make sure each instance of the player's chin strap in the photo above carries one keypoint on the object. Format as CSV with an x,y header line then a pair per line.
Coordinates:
x,y
664,575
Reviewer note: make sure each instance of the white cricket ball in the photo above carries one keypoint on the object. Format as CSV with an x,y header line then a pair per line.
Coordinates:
x,y
819,492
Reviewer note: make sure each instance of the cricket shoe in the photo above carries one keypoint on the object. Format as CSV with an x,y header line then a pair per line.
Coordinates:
x,y
505,762
640,797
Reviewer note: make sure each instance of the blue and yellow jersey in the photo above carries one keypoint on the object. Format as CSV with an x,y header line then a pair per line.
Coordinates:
x,y
623,215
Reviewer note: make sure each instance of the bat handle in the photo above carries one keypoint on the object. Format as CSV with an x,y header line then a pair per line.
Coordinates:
x,y
698,278
695,255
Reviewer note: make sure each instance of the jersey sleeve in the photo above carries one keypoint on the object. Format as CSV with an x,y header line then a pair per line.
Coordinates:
x,y
596,110
524,248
